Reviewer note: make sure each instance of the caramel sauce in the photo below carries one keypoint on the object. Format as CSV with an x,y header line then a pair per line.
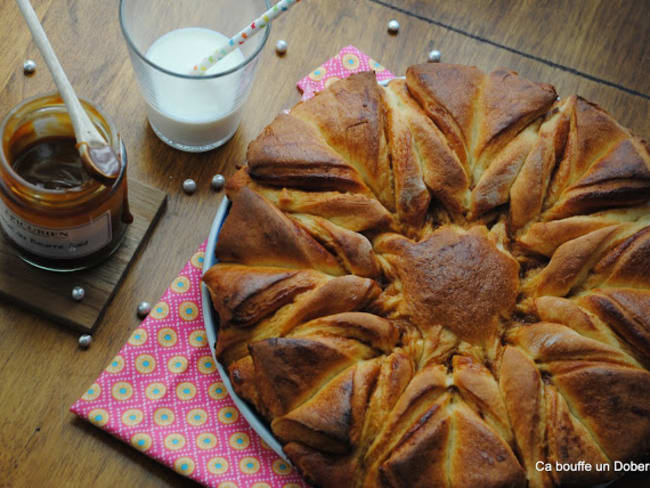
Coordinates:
x,y
52,163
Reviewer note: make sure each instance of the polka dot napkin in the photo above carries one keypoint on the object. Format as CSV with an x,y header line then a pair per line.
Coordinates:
x,y
349,60
162,394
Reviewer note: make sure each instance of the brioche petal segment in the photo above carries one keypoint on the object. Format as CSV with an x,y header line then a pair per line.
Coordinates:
x,y
604,166
494,180
353,250
290,152
353,211
442,171
570,442
257,233
547,342
627,264
324,421
627,312
528,191
510,103
523,392
411,195
420,458
285,371
331,296
479,389
545,237
608,400
350,117
377,332
570,264
448,93
475,443
243,295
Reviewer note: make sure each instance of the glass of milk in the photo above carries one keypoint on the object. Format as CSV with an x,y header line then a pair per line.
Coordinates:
x,y
165,39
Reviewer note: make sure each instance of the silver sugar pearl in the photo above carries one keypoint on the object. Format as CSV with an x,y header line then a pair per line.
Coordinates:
x,y
29,67
143,309
85,340
189,186
78,293
393,26
434,56
218,181
281,47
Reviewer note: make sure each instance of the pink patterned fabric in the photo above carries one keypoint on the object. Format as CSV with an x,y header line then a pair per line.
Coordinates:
x,y
349,60
162,394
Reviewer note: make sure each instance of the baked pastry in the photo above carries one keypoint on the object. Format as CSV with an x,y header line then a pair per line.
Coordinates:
x,y
441,282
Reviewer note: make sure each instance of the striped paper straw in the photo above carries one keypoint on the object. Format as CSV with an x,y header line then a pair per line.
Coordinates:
x,y
242,36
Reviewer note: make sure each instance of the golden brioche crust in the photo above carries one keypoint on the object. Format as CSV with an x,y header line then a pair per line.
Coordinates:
x,y
441,282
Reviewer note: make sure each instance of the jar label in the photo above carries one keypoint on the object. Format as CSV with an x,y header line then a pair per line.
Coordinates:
x,y
57,243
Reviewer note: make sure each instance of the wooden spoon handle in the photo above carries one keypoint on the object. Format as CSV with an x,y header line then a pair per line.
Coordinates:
x,y
84,129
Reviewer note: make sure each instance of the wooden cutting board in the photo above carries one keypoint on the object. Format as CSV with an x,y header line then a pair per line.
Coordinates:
x,y
50,294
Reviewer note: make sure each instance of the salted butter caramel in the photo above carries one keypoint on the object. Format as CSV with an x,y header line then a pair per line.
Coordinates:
x,y
56,213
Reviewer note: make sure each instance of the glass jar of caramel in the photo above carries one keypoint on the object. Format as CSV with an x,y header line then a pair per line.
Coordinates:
x,y
54,212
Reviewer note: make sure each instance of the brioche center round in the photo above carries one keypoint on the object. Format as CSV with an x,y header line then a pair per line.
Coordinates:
x,y
455,278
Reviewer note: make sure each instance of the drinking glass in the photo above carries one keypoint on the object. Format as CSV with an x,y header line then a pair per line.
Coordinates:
x,y
192,113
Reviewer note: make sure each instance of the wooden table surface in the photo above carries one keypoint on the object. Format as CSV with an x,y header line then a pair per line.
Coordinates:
x,y
597,48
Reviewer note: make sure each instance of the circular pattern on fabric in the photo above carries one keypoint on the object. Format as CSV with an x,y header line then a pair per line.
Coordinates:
x,y
141,441
138,337
163,416
281,467
197,416
184,465
98,416
188,311
330,80
198,259
159,311
122,390
260,485
198,338
227,484
206,365
180,285
177,364
174,442
155,391
206,440
375,66
228,415
185,391
249,465
350,62
167,337
217,391
116,365
132,416
92,393
318,74
145,363
239,440
217,465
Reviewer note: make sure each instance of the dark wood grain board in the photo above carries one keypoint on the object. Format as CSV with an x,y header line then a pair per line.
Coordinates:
x,y
50,294
42,444
604,39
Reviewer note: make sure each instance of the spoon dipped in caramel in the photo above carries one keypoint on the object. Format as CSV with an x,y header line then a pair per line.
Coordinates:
x,y
97,156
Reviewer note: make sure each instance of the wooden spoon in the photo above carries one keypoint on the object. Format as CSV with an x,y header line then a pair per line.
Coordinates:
x,y
96,154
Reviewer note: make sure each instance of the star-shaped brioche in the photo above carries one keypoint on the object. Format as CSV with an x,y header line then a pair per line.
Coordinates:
x,y
441,282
